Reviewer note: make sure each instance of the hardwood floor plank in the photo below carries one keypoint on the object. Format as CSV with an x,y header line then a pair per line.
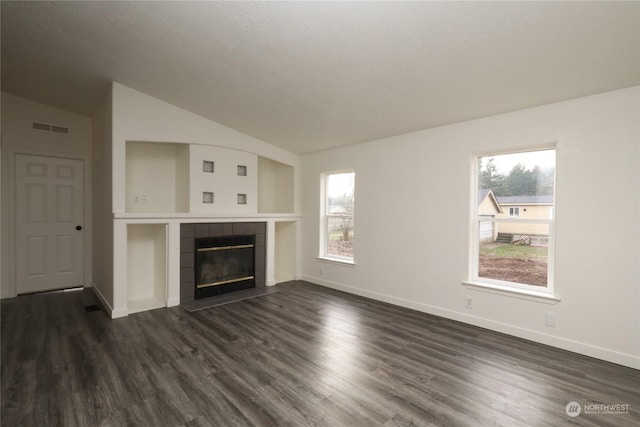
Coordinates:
x,y
304,356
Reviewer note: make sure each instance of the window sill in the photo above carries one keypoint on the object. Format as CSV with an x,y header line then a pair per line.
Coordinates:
x,y
542,297
337,261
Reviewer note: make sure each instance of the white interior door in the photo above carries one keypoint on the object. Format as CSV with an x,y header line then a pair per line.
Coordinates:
x,y
49,219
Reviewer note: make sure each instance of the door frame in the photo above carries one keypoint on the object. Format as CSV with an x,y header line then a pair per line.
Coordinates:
x,y
9,242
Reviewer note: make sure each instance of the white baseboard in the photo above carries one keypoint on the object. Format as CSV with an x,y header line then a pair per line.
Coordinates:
x,y
624,359
8,294
116,314
103,301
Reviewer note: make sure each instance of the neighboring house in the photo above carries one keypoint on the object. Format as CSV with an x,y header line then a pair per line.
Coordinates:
x,y
525,207
488,206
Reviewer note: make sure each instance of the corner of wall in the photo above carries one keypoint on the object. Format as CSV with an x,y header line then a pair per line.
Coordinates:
x,y
102,211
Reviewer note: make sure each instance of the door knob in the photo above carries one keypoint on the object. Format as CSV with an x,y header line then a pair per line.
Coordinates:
x,y
78,227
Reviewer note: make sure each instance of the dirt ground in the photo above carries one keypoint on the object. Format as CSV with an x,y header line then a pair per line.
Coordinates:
x,y
341,248
518,270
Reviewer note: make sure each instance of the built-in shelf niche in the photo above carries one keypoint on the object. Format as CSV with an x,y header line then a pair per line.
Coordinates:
x,y
285,251
180,178
275,187
146,266
157,177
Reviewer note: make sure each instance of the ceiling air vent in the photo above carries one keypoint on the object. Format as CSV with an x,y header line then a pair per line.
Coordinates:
x,y
49,128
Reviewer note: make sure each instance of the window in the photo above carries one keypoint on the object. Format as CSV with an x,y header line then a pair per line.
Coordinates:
x,y
337,223
513,245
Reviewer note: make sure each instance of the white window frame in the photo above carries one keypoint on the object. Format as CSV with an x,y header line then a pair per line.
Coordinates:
x,y
501,285
514,212
324,220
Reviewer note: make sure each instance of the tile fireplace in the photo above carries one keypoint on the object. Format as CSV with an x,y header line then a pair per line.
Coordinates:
x,y
218,258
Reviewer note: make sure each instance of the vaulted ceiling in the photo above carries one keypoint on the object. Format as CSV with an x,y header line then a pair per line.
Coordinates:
x,y
308,76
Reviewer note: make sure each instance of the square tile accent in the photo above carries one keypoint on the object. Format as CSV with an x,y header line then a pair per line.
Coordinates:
x,y
208,166
207,197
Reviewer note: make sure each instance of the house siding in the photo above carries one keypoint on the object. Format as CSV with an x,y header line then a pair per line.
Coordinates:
x,y
526,212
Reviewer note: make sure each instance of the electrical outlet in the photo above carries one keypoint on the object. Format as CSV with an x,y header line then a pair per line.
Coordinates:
x,y
468,303
550,319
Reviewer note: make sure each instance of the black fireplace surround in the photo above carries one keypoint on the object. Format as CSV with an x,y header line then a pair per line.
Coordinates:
x,y
224,264
232,257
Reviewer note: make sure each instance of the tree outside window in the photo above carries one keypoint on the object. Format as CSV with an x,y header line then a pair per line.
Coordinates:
x,y
338,224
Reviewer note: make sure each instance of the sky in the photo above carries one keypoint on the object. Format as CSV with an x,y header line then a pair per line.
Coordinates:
x,y
340,183
504,163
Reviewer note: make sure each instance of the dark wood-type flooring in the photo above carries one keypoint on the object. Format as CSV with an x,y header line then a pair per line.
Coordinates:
x,y
305,355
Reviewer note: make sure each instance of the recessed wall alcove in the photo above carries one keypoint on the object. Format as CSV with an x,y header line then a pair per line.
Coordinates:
x,y
193,178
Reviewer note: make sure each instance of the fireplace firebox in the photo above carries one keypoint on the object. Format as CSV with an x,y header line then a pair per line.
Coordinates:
x,y
224,264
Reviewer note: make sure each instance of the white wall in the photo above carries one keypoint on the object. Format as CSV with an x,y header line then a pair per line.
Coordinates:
x,y
224,182
103,250
285,249
275,187
151,173
147,263
413,197
18,137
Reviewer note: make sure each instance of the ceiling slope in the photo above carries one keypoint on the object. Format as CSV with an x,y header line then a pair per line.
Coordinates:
x,y
308,76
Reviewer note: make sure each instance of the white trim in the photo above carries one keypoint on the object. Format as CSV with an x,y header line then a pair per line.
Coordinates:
x,y
213,217
499,286
630,360
324,219
527,149
116,314
509,291
103,301
339,261
172,302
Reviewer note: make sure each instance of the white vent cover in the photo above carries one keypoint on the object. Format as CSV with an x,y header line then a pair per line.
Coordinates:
x,y
49,128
